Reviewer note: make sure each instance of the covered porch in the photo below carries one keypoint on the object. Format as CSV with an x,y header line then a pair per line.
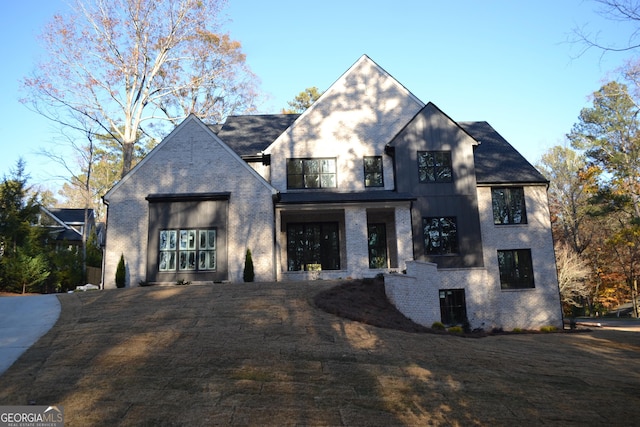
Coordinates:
x,y
341,235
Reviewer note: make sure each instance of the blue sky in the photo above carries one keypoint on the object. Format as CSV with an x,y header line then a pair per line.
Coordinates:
x,y
504,61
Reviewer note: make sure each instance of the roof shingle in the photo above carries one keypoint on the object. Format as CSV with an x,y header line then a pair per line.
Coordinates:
x,y
249,135
496,161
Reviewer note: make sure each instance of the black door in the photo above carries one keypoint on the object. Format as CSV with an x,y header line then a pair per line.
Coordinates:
x,y
453,309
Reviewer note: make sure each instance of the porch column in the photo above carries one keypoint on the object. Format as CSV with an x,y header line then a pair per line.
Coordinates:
x,y
357,246
404,236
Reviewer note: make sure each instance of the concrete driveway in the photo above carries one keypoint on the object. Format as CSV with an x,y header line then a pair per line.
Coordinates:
x,y
23,320
618,324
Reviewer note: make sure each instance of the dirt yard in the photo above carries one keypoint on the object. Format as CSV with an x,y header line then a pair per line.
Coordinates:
x,y
264,354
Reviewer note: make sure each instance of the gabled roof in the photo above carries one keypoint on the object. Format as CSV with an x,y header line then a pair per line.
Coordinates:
x,y
250,135
190,120
68,234
496,161
70,215
363,87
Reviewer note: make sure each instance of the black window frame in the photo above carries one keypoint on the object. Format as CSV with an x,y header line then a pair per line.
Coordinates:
x,y
452,245
303,176
438,170
373,171
516,269
309,244
453,306
508,205
377,245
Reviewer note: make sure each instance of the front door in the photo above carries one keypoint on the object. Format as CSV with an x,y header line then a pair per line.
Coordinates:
x,y
453,309
377,234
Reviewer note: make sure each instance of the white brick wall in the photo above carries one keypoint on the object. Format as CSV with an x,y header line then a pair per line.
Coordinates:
x,y
191,160
488,306
539,306
355,117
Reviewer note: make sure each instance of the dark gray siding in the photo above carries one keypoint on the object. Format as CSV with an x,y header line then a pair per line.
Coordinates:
x,y
432,130
188,212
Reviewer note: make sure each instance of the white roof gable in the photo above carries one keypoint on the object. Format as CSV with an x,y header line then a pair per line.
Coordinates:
x,y
191,120
356,117
366,102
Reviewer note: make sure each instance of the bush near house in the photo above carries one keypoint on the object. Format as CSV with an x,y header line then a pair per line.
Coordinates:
x,y
248,274
121,273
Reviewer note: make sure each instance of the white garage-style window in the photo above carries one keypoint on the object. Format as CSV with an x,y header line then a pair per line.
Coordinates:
x,y
187,250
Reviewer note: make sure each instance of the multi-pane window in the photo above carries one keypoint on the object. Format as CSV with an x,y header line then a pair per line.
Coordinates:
x,y
440,235
516,269
508,205
373,171
434,166
377,236
311,173
313,246
187,250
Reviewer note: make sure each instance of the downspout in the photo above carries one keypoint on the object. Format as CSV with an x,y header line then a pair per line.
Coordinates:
x,y
274,253
104,246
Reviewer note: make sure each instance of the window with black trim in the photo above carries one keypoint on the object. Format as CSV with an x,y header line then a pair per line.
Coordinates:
x,y
187,250
516,269
313,246
377,237
440,235
434,166
508,205
311,173
373,171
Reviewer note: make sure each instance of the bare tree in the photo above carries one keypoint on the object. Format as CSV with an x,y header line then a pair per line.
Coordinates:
x,y
572,277
621,11
123,64
568,197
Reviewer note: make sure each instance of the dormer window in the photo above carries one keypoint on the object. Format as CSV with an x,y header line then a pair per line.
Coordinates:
x,y
434,166
311,173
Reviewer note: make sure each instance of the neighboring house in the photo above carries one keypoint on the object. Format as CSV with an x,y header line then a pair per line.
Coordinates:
x,y
366,180
66,225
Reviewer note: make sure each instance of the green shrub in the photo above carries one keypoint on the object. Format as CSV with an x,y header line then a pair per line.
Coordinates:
x,y
548,329
517,330
121,273
438,326
248,274
455,329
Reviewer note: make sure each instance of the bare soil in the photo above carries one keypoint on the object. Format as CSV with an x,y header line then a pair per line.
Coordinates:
x,y
265,354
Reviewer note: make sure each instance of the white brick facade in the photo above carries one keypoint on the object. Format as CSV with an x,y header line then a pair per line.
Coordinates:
x,y
191,160
366,112
416,294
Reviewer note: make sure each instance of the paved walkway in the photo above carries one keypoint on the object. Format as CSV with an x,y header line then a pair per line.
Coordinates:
x,y
23,320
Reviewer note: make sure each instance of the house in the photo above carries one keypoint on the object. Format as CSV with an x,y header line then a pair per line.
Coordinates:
x,y
367,180
66,225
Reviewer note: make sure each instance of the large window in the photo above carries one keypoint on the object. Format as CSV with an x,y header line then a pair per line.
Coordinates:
x,y
440,235
311,173
313,246
434,166
377,236
508,205
373,171
516,269
187,250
